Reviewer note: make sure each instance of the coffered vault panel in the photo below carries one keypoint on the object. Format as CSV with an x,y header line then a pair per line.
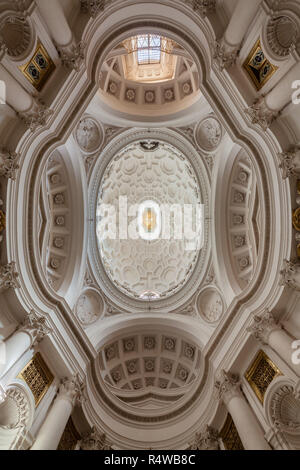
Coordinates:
x,y
165,176
149,363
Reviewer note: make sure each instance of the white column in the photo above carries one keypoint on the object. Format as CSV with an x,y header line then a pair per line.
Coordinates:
x,y
15,347
240,21
33,330
55,19
71,54
226,50
266,109
53,427
248,428
16,96
28,108
281,94
265,329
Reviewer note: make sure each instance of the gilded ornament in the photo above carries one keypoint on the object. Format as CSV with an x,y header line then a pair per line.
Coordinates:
x,y
296,219
2,221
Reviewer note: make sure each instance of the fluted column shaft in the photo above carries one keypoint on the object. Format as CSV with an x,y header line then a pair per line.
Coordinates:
x,y
15,347
16,96
240,21
32,330
55,19
53,427
246,424
248,428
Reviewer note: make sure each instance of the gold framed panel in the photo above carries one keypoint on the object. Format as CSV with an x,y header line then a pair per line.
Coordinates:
x,y
37,375
261,373
39,68
255,68
296,219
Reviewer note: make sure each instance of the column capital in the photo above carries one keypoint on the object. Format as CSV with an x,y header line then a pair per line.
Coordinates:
x,y
8,163
8,277
72,55
224,54
227,386
23,6
290,275
35,326
207,439
203,7
92,8
36,115
290,162
262,326
71,389
261,114
94,440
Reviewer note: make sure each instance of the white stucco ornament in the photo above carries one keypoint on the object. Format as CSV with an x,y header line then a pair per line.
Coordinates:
x,y
208,134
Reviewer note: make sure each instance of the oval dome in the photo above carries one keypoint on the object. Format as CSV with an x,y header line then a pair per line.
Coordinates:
x,y
147,220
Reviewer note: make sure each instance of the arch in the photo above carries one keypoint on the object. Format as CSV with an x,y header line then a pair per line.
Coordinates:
x,y
16,415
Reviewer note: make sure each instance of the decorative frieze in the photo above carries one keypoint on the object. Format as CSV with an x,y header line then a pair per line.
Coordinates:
x,y
262,326
8,277
8,163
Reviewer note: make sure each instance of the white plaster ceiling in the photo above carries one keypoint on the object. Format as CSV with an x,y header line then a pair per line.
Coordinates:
x,y
166,177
